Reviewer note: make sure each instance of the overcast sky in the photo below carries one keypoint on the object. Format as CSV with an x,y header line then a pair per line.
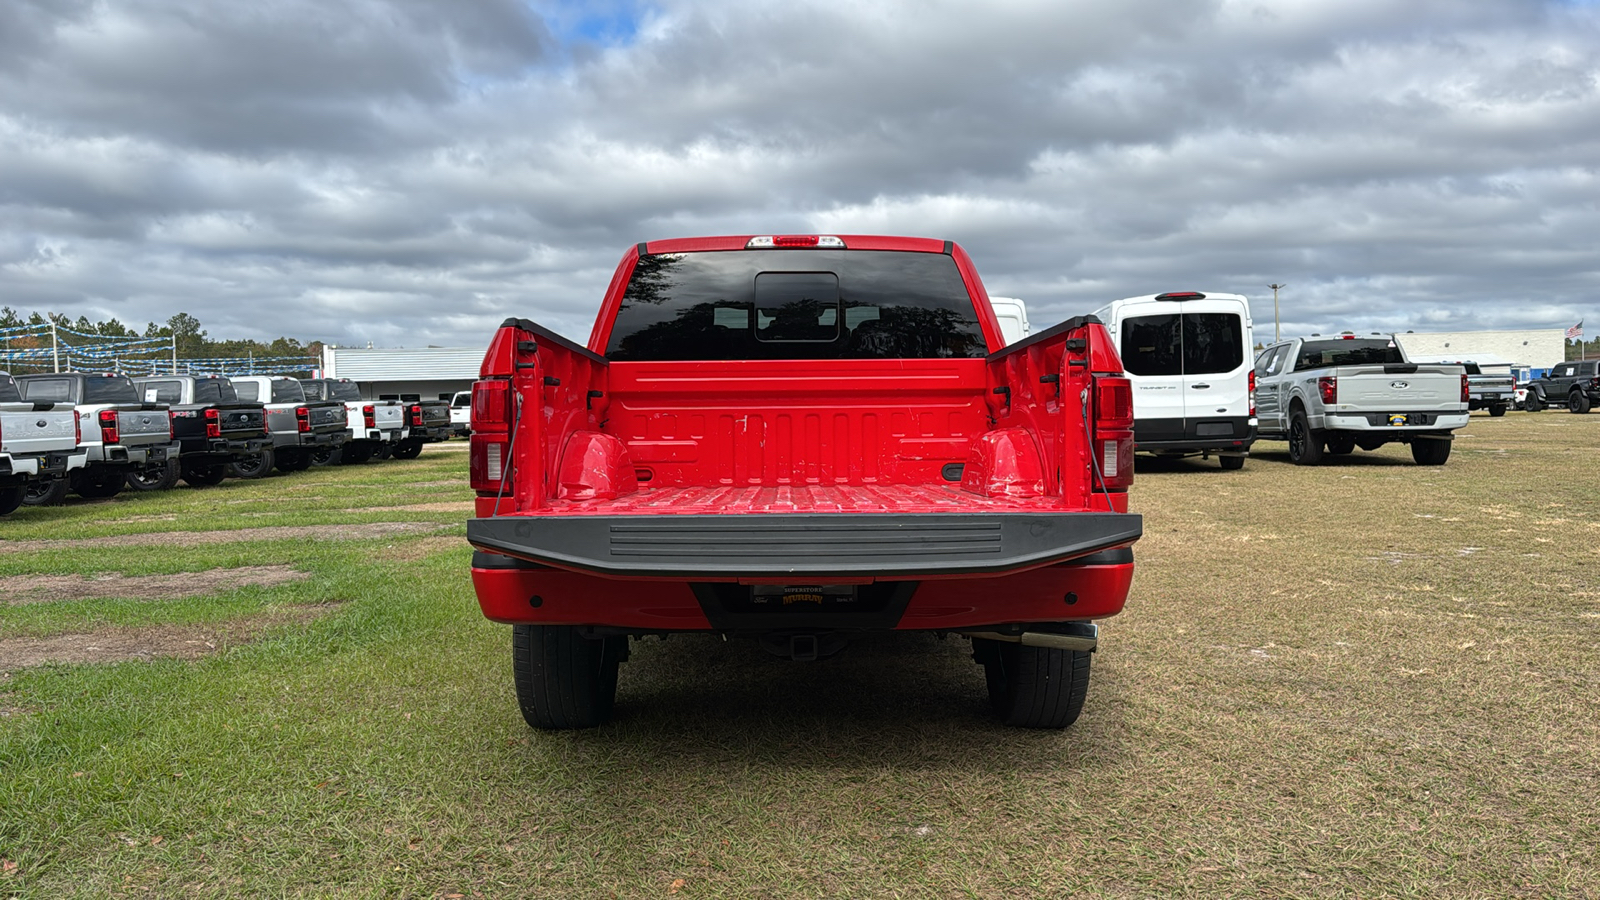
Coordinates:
x,y
410,172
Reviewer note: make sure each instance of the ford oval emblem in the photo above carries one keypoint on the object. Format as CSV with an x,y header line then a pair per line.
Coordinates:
x,y
145,420
40,423
1399,385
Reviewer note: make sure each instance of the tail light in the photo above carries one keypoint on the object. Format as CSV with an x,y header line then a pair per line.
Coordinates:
x,y
213,423
1328,387
1113,431
302,419
172,426
416,415
108,426
1466,396
77,426
490,448
368,417
1252,388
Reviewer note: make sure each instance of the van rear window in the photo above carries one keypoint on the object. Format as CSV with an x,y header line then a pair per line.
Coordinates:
x,y
793,304
1182,344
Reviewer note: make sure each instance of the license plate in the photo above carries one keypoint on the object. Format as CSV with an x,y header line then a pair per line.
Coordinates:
x,y
1397,418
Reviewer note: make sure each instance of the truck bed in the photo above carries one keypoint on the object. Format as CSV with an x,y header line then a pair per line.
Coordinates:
x,y
810,498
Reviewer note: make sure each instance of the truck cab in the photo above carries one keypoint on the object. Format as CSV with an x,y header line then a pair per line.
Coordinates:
x,y
119,432
301,429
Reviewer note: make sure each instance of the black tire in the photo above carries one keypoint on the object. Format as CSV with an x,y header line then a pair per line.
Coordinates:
x,y
1578,402
10,499
408,450
1430,451
383,451
153,477
327,456
1498,410
99,482
203,474
355,454
1231,463
1534,401
45,492
1034,687
252,467
1305,443
564,680
1341,444
290,460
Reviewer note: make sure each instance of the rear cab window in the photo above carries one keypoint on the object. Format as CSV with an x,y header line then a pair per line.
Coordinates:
x,y
1357,352
8,390
116,389
284,390
780,304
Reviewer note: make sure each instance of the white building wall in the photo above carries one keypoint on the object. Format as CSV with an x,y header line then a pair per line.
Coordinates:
x,y
1537,348
427,371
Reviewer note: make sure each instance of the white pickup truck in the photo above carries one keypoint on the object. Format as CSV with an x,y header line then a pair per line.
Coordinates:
x,y
375,426
38,443
1346,391
118,431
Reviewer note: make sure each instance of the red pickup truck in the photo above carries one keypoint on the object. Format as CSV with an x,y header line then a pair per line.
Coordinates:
x,y
799,439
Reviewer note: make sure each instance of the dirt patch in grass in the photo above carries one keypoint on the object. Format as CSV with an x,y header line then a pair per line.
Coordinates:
x,y
110,645
465,506
20,589
199,538
411,551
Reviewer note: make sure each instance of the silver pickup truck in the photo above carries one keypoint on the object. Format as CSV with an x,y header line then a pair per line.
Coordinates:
x,y
1346,391
117,429
38,443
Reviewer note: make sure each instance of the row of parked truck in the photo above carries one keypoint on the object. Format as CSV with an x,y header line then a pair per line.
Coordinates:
x,y
95,434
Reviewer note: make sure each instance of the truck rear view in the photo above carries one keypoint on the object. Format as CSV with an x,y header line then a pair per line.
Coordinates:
x,y
799,440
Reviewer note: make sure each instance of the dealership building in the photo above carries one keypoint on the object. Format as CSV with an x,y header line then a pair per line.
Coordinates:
x,y
429,372
1538,348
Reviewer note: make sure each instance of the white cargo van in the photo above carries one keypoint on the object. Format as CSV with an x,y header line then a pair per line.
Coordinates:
x,y
1188,355
1013,317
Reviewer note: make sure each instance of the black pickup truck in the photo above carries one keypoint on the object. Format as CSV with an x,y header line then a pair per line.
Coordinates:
x,y
427,422
300,428
1575,384
217,430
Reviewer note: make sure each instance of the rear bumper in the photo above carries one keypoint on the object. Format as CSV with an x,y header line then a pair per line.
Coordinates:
x,y
516,591
1217,434
325,439
1375,422
51,464
876,545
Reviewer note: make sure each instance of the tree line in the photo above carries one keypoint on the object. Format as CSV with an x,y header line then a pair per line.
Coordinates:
x,y
192,340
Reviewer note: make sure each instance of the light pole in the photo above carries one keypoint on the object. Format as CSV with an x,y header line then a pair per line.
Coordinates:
x,y
1277,333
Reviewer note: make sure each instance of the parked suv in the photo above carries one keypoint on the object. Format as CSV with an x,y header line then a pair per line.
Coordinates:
x,y
1575,383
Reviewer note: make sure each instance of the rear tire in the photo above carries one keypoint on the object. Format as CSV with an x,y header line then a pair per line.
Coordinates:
x,y
1578,402
327,456
408,450
564,680
355,454
153,476
45,492
1305,443
10,499
199,474
291,460
1341,444
1035,687
384,450
99,482
1497,410
252,467
1430,451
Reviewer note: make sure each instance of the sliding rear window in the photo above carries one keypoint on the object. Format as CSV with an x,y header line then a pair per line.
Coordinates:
x,y
796,304
1355,352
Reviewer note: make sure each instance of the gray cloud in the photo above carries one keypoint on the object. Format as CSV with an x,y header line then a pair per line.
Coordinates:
x,y
412,172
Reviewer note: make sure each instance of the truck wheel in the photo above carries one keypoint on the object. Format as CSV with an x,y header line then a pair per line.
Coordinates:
x,y
1305,444
199,474
408,450
154,476
252,467
1498,410
327,456
1231,463
1578,402
564,680
1534,402
1430,451
99,482
10,499
1034,687
1341,444
384,450
355,454
45,492
288,461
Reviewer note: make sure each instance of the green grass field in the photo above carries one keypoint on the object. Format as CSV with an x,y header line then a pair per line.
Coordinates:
x,y
1362,679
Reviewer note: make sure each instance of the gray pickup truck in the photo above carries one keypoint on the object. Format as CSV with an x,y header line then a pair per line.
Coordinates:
x,y
1496,393
1346,391
375,426
300,428
38,443
118,432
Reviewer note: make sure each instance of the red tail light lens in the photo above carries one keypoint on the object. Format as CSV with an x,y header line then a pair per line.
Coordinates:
x,y
490,450
77,426
172,426
416,415
1328,387
108,426
302,419
1252,387
1113,431
1465,395
213,424
368,417
491,405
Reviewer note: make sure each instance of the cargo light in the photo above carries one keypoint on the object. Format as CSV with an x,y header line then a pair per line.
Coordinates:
x,y
1328,387
213,425
369,418
1113,431
302,419
1181,295
772,241
108,426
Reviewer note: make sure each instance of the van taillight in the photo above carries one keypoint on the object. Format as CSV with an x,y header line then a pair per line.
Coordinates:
x,y
1328,387
416,415
369,418
1466,397
1252,388
302,419
1113,431
490,447
108,426
213,424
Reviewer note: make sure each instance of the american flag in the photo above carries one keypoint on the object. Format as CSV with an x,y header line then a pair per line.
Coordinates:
x,y
1575,331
